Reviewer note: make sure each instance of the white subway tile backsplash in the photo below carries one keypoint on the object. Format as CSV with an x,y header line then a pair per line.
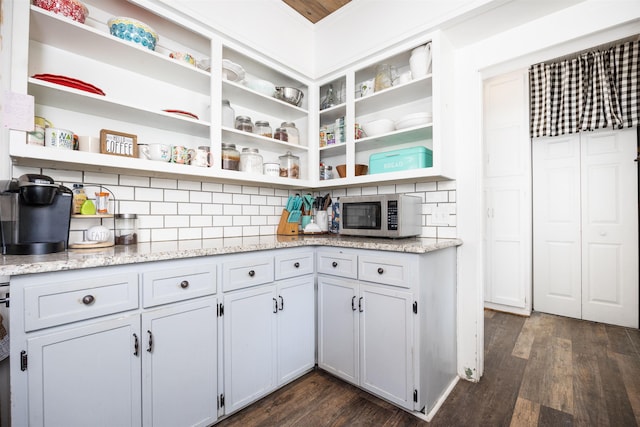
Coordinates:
x,y
176,196
149,194
164,208
180,209
164,183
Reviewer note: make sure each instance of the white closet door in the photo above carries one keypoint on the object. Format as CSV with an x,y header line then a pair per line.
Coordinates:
x,y
610,227
507,193
557,286
585,228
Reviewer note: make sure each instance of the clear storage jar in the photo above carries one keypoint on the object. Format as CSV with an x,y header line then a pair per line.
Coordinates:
x,y
293,135
228,114
281,134
289,165
251,160
263,128
230,157
126,229
244,123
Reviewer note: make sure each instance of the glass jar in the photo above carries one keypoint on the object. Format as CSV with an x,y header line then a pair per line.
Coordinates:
x,y
126,229
328,172
228,114
281,135
293,136
263,128
230,157
251,160
79,197
290,165
244,123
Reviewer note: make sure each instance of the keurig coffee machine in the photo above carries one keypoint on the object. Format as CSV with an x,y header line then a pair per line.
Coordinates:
x,y
35,215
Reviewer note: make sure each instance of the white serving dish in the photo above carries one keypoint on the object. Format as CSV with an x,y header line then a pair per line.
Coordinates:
x,y
378,127
232,71
415,119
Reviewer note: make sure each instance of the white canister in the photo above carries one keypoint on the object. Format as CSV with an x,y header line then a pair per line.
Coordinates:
x,y
59,138
420,61
90,144
272,169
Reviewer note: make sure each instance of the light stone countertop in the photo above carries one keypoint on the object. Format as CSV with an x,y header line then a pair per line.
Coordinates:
x,y
13,265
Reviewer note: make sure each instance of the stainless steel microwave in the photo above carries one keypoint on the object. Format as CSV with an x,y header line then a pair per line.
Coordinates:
x,y
384,215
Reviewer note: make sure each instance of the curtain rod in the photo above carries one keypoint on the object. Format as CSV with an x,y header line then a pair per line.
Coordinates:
x,y
601,47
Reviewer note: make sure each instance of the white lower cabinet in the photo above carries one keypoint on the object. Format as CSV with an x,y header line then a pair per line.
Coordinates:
x,y
84,375
269,338
365,336
179,364
388,325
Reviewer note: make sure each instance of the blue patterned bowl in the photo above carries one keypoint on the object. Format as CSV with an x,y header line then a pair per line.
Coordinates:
x,y
133,31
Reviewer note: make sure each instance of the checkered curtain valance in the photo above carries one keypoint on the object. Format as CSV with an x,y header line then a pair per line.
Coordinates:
x,y
597,89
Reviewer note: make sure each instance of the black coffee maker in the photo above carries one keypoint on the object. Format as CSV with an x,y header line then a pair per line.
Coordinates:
x,y
35,215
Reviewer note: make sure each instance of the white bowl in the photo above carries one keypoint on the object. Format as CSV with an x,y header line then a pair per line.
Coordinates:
x,y
378,127
232,71
415,119
98,233
264,87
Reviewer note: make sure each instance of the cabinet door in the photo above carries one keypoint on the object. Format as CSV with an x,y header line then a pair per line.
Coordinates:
x,y
386,343
179,353
89,375
249,345
296,327
338,327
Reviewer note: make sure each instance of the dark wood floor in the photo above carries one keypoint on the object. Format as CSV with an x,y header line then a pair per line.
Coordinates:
x,y
539,371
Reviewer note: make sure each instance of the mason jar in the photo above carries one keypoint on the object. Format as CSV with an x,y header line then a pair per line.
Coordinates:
x,y
251,160
289,165
244,123
126,229
230,157
263,128
293,136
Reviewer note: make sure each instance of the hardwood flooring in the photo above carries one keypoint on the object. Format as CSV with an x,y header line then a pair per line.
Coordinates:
x,y
543,370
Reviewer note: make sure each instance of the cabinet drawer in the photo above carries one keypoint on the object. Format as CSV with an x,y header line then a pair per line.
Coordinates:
x,y
177,284
338,263
246,271
85,297
292,264
387,271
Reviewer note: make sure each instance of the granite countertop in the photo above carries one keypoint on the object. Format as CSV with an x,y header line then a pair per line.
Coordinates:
x,y
73,259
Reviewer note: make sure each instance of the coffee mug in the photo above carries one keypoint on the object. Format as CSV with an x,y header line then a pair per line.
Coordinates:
x,y
159,152
58,138
90,144
181,154
37,136
202,157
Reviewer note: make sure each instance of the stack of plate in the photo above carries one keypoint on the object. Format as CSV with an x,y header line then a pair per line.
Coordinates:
x,y
415,119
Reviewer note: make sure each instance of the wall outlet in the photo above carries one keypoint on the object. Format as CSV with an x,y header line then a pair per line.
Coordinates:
x,y
440,216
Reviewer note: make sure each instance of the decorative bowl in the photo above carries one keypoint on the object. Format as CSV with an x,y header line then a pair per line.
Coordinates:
x,y
133,31
183,57
264,87
378,127
289,94
232,71
360,169
73,9
98,233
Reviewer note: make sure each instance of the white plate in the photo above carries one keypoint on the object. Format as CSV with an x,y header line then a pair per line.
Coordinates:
x,y
415,119
232,71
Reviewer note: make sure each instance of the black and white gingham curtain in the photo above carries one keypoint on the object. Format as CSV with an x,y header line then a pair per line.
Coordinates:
x,y
597,89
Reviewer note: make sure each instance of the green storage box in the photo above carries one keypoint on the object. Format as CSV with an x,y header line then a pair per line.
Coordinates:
x,y
401,160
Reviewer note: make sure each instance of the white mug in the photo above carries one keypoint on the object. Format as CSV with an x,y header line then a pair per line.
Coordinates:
x,y
59,138
159,152
89,144
202,157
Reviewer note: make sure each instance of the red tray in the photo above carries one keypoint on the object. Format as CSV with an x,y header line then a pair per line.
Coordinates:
x,y
69,82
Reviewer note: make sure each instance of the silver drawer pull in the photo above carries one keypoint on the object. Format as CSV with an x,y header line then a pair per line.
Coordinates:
x,y
380,270
184,284
88,299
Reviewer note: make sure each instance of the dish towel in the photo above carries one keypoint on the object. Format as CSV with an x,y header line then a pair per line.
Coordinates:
x,y
4,340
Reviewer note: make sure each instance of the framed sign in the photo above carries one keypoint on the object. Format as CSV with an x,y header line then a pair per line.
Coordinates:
x,y
118,143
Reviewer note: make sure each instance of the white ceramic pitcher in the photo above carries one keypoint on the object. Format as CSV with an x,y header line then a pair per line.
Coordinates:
x,y
420,61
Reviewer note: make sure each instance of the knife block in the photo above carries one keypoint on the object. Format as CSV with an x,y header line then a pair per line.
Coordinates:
x,y
285,227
